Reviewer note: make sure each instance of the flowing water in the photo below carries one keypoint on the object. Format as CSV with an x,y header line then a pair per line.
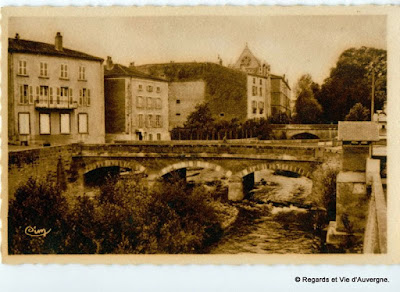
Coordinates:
x,y
263,228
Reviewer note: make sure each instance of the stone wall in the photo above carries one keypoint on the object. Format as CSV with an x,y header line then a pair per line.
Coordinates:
x,y
39,163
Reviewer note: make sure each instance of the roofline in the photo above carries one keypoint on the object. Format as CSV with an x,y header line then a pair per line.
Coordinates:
x,y
24,51
131,75
94,59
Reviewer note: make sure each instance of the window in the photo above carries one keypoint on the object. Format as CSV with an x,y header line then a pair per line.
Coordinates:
x,y
82,73
139,101
260,91
158,136
149,122
158,121
65,124
64,71
260,81
84,97
150,88
43,69
221,114
177,114
254,106
158,89
22,67
158,103
44,94
178,101
83,123
24,123
254,81
261,107
140,87
140,121
148,102
254,90
150,137
23,94
63,96
44,124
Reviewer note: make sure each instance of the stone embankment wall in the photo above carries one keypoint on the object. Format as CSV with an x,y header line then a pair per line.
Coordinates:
x,y
39,163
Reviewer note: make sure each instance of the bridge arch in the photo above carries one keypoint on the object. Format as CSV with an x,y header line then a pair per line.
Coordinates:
x,y
304,135
193,163
134,166
274,166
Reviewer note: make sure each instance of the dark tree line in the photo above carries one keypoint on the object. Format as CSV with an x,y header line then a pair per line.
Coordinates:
x,y
346,93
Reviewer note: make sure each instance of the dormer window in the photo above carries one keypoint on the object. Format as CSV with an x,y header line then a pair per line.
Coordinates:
x,y
158,89
140,87
150,88
64,71
22,67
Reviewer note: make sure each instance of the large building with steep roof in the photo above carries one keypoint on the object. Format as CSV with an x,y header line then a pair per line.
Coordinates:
x,y
258,84
136,104
55,94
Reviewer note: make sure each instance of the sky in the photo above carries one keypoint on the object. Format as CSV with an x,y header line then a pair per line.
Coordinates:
x,y
292,45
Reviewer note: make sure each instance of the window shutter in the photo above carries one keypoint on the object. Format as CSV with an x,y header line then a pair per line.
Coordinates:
x,y
30,95
80,97
66,71
51,95
70,96
21,94
88,97
58,95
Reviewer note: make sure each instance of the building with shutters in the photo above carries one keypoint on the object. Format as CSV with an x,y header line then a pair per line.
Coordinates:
x,y
55,95
258,84
136,104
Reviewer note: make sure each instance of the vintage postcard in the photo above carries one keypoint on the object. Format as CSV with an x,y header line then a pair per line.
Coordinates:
x,y
200,135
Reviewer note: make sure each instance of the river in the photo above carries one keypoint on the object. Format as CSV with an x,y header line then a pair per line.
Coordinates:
x,y
263,227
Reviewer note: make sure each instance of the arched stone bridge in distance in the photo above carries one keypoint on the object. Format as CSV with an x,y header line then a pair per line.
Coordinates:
x,y
236,162
305,131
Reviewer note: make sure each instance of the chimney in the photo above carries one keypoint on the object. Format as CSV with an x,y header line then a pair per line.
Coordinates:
x,y
109,63
58,42
17,36
132,65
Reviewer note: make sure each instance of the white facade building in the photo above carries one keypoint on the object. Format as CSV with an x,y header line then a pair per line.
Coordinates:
x,y
55,95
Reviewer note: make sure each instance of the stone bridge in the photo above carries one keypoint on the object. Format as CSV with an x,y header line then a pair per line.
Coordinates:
x,y
236,162
305,131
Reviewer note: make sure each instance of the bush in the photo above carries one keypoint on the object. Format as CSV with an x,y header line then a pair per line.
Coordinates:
x,y
39,204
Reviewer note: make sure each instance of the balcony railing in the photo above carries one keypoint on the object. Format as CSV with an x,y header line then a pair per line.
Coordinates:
x,y
56,104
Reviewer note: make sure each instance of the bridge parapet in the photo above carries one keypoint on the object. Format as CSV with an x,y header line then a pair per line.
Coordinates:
x,y
292,152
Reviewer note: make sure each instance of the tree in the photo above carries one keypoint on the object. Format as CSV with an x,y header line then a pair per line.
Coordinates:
x,y
308,109
279,118
350,82
200,118
358,113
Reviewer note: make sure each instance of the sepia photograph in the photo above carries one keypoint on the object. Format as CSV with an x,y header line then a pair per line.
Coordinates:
x,y
195,134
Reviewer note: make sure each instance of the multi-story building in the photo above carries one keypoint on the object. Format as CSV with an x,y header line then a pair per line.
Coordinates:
x,y
222,89
136,104
258,84
55,95
280,95
183,98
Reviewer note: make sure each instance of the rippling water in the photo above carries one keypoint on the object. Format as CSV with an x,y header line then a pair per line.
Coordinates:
x,y
266,235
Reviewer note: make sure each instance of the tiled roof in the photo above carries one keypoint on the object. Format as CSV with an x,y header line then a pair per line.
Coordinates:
x,y
358,131
119,70
32,47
